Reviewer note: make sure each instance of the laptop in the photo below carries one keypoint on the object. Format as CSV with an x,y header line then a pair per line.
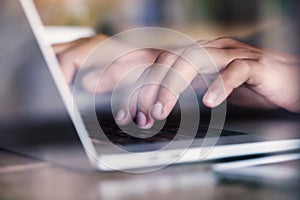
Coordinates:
x,y
40,118
280,170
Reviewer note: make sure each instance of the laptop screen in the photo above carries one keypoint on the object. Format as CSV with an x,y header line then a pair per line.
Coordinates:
x,y
33,118
31,108
27,91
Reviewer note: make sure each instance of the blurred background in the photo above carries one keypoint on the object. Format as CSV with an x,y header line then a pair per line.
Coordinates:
x,y
200,19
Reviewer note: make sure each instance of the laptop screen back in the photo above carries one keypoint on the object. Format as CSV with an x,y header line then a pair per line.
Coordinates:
x,y
27,91
33,117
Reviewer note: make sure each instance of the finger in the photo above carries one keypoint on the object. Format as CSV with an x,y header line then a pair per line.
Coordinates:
x,y
181,75
67,61
128,109
222,43
129,66
61,47
199,83
71,58
210,60
175,82
238,72
149,90
202,42
162,96
68,65
126,113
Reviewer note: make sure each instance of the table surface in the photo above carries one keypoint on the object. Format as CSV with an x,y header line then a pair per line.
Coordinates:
x,y
22,177
26,178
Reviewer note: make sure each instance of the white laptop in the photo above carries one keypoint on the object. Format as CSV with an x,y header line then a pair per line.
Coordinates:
x,y
38,117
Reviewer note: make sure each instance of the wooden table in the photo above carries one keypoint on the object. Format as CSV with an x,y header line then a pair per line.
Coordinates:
x,y
22,177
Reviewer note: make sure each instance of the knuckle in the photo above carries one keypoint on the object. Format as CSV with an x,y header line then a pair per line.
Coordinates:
x,y
248,53
166,58
201,42
238,61
243,64
224,41
264,59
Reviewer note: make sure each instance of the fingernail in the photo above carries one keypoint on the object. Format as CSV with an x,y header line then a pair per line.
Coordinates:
x,y
141,119
211,98
121,114
157,109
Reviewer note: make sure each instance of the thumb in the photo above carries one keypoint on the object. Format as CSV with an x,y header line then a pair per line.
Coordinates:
x,y
234,75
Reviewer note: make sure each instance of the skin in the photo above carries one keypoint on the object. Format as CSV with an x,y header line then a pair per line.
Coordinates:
x,y
245,75
72,55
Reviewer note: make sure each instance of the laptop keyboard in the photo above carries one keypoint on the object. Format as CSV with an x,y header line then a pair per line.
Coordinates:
x,y
167,133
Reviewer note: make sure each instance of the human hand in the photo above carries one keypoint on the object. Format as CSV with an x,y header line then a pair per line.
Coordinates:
x,y
249,76
72,56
